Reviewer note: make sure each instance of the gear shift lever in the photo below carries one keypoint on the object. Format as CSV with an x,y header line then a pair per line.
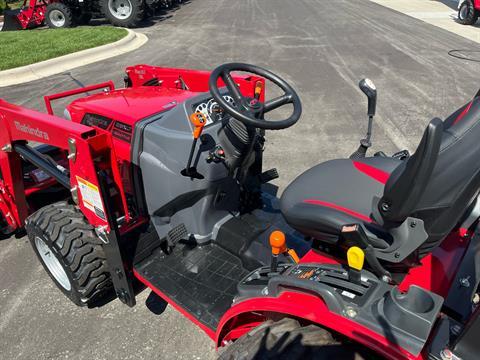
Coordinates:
x,y
369,89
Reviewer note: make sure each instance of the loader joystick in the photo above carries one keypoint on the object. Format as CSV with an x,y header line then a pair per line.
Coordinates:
x,y
199,121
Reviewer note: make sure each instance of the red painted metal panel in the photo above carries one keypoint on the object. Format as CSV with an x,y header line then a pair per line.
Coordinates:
x,y
20,124
311,308
438,269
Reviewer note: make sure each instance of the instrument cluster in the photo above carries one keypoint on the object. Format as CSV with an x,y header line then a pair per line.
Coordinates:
x,y
212,111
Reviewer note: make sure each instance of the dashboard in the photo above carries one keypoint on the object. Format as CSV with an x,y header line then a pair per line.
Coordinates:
x,y
212,111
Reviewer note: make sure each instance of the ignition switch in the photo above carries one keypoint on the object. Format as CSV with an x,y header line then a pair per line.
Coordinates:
x,y
217,154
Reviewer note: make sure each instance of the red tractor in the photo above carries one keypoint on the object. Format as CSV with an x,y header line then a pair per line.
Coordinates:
x,y
69,13
160,185
468,11
30,14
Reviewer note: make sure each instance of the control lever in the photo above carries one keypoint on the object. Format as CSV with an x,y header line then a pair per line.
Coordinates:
x,y
355,258
369,89
258,90
278,243
355,234
199,121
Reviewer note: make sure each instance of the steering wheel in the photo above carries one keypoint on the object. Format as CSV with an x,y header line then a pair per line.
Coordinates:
x,y
249,110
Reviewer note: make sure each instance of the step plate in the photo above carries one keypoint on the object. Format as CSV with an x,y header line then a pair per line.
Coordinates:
x,y
202,280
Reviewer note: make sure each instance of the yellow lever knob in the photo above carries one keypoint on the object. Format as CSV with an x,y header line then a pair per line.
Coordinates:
x,y
355,257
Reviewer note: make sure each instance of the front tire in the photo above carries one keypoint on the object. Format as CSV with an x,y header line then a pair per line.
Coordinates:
x,y
71,253
287,339
59,15
124,13
467,15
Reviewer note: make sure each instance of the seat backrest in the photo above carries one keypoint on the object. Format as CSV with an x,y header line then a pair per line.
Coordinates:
x,y
408,181
441,180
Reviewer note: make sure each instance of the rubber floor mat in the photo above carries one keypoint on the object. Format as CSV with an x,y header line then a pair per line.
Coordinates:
x,y
202,280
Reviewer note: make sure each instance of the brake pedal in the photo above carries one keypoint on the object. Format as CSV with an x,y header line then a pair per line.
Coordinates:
x,y
268,176
178,233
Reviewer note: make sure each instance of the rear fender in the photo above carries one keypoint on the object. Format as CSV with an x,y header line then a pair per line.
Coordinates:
x,y
246,315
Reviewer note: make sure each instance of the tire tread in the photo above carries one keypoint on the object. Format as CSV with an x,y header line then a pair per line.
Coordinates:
x,y
79,246
288,339
65,9
133,21
472,15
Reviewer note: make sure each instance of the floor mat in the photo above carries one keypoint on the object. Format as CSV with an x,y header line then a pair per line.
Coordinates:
x,y
202,280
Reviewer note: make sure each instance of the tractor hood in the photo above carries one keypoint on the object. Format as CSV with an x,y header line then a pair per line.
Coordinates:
x,y
131,104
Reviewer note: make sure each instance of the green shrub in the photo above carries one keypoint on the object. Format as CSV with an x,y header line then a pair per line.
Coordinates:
x,y
3,6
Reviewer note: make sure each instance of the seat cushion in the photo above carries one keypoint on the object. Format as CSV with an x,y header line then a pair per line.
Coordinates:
x,y
335,193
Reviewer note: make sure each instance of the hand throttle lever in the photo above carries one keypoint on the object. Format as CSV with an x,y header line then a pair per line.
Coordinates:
x,y
199,121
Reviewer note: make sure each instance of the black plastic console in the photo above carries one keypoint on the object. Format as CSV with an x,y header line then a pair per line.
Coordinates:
x,y
404,318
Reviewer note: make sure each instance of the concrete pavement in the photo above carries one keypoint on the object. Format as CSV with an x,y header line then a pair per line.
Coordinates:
x,y
441,13
323,48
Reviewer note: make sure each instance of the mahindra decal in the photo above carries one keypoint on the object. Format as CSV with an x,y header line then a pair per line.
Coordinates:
x,y
32,131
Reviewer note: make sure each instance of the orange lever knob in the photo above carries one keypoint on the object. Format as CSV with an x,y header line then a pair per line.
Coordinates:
x,y
198,120
258,89
278,242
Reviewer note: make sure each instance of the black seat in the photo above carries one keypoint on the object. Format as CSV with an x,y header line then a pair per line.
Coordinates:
x,y
338,192
437,185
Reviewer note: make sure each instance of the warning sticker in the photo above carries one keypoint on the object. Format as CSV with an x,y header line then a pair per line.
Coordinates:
x,y
91,197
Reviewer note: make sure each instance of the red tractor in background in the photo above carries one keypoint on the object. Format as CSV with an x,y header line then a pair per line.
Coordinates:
x,y
68,13
30,14
161,185
468,11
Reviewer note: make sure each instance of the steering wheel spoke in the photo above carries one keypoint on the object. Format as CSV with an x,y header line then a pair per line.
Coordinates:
x,y
277,102
232,87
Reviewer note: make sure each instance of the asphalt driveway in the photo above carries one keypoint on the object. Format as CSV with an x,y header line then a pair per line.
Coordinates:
x,y
323,48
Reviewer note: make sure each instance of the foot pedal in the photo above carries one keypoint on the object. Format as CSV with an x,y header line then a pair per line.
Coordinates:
x,y
401,155
268,176
178,233
360,153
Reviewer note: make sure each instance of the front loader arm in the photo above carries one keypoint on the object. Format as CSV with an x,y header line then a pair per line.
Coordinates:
x,y
89,151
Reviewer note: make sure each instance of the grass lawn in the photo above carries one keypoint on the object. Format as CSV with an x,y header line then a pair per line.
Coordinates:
x,y
19,48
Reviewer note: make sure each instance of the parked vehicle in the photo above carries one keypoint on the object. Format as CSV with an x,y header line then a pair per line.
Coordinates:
x,y
30,14
468,11
68,13
161,185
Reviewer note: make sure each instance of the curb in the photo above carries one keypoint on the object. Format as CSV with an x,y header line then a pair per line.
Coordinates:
x,y
63,63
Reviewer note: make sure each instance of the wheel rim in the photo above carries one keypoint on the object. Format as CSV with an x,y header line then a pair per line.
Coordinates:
x,y
57,18
121,9
52,264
